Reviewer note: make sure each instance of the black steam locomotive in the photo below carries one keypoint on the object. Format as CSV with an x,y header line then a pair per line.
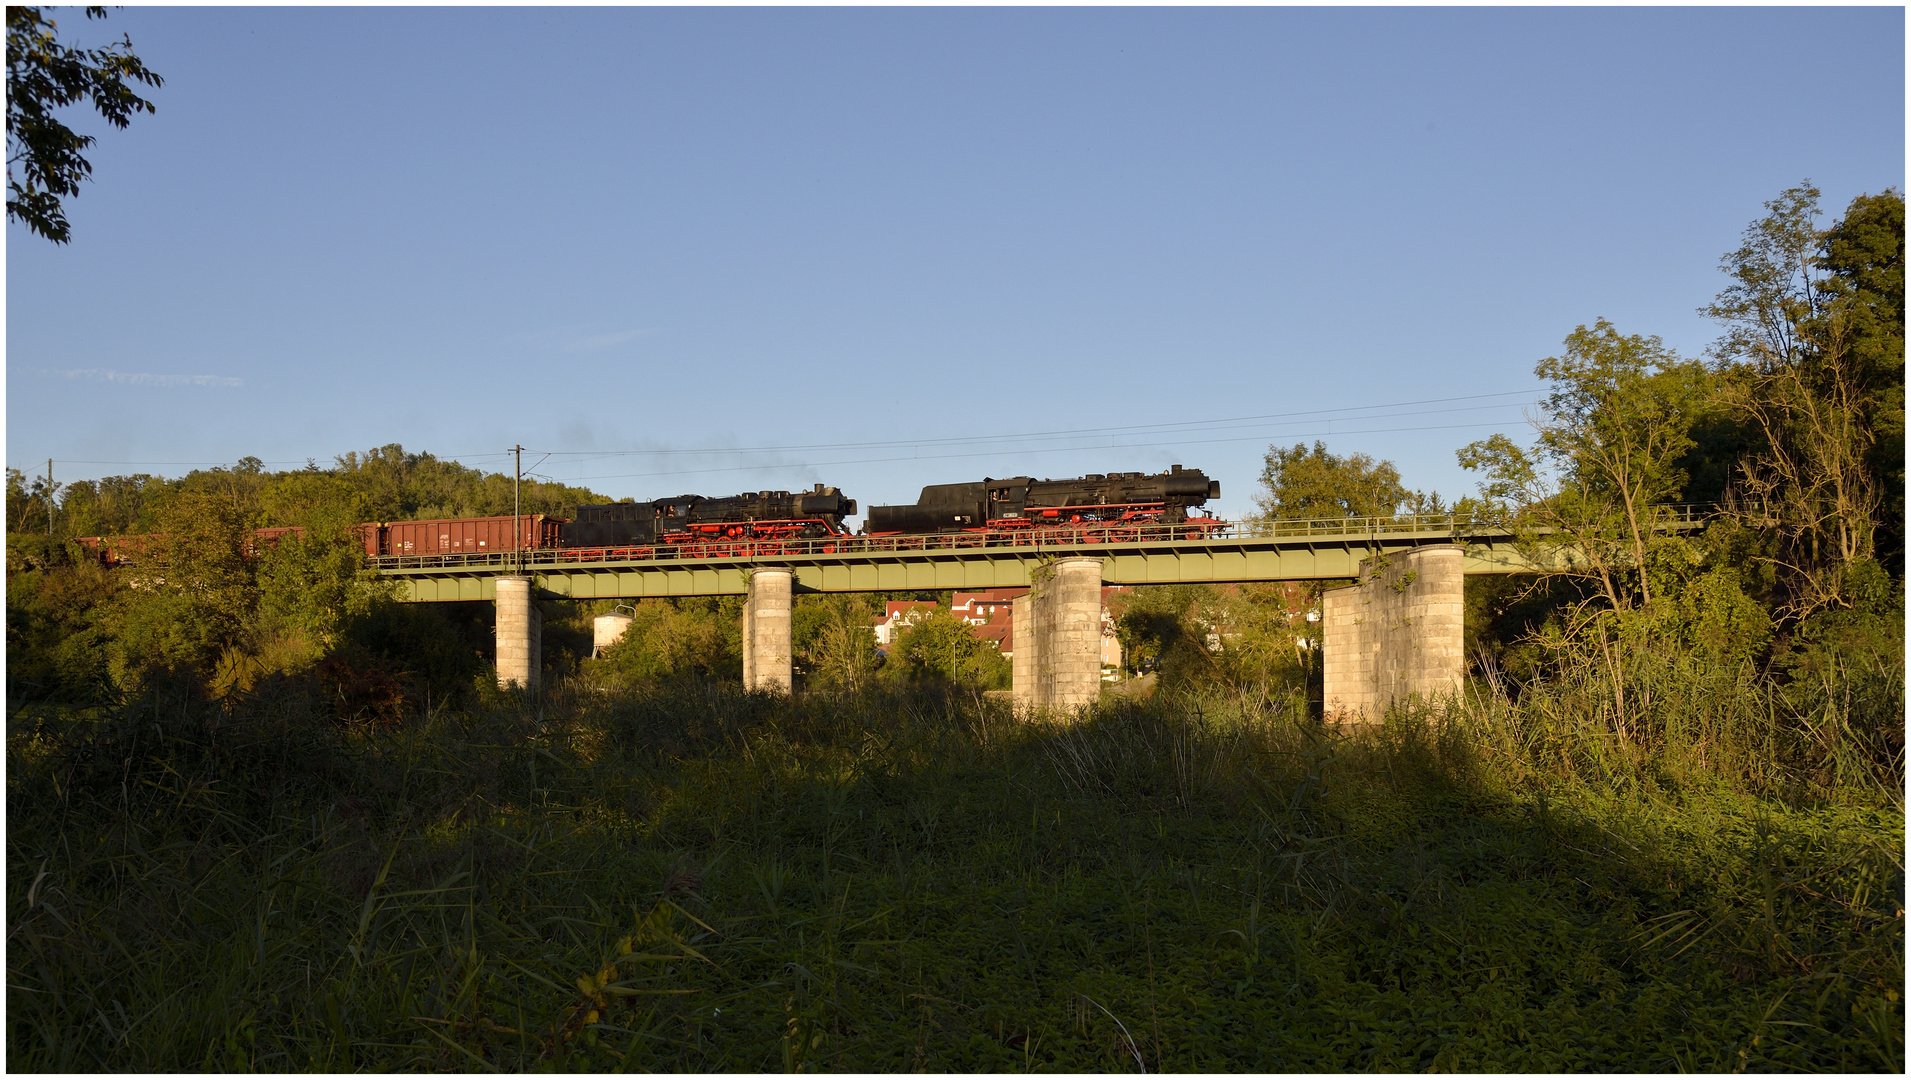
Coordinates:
x,y
756,515
1023,502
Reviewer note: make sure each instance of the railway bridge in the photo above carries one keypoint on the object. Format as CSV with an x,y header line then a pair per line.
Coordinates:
x,y
1395,632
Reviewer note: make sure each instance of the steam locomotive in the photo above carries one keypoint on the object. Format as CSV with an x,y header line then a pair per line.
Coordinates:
x,y
756,515
1024,503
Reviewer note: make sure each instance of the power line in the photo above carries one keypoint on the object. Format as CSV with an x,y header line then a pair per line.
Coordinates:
x,y
1002,443
1210,424
1048,450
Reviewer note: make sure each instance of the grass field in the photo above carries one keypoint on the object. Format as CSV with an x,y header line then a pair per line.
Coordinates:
x,y
696,879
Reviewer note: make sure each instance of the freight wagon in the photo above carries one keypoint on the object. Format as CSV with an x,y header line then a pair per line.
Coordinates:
x,y
463,536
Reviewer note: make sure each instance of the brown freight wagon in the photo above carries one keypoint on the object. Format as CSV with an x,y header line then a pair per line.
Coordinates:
x,y
470,536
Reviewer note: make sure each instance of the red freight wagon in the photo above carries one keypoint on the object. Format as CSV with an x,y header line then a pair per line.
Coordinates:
x,y
470,536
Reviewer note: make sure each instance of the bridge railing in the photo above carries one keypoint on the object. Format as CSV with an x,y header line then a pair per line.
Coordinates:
x,y
1352,529
746,547
1459,524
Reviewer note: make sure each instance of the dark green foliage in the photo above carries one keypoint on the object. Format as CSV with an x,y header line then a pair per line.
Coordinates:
x,y
1164,631
1251,639
55,640
1845,669
191,601
44,75
386,484
209,610
1812,366
941,648
108,507
1505,617
1303,483
833,640
694,637
432,652
27,503
401,486
1864,256
697,879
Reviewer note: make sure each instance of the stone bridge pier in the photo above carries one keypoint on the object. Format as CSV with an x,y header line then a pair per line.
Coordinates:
x,y
1057,626
766,631
1396,635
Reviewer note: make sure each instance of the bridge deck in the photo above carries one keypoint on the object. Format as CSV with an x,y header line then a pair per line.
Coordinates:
x,y
1150,555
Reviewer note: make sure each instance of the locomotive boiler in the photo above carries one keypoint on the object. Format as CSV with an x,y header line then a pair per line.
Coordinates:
x,y
1021,502
763,515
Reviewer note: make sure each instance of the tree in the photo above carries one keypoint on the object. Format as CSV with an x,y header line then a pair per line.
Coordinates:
x,y
313,580
939,646
1814,351
1864,261
1299,483
1777,285
688,638
27,503
190,602
401,486
109,506
44,75
1616,426
832,634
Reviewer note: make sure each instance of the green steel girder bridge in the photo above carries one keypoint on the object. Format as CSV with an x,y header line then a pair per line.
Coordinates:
x,y
1148,555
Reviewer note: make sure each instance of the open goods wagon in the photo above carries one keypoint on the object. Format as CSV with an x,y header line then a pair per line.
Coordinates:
x,y
463,536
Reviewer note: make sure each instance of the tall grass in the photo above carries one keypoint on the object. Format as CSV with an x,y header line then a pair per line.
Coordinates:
x,y
1837,737
689,877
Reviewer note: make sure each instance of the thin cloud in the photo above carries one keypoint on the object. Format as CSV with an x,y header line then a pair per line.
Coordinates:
x,y
579,339
605,341
143,378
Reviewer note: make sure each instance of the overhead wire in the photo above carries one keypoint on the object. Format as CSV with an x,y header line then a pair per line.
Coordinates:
x,y
995,453
1000,444
1208,424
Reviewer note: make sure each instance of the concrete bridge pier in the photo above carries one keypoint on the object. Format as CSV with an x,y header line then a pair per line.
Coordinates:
x,y
1057,661
520,629
1028,648
1396,635
766,631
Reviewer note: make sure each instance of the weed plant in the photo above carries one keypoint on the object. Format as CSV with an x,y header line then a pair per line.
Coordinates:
x,y
693,878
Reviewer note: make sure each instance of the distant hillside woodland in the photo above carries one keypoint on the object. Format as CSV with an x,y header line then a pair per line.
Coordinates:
x,y
262,816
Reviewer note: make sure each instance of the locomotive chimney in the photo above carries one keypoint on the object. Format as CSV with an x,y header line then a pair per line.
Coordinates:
x,y
1174,470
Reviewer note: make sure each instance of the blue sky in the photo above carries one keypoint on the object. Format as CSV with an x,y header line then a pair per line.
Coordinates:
x,y
724,250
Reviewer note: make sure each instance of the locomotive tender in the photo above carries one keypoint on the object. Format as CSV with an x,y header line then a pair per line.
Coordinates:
x,y
1024,502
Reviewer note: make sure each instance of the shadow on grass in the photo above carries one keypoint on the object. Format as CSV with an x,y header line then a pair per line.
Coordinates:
x,y
690,877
